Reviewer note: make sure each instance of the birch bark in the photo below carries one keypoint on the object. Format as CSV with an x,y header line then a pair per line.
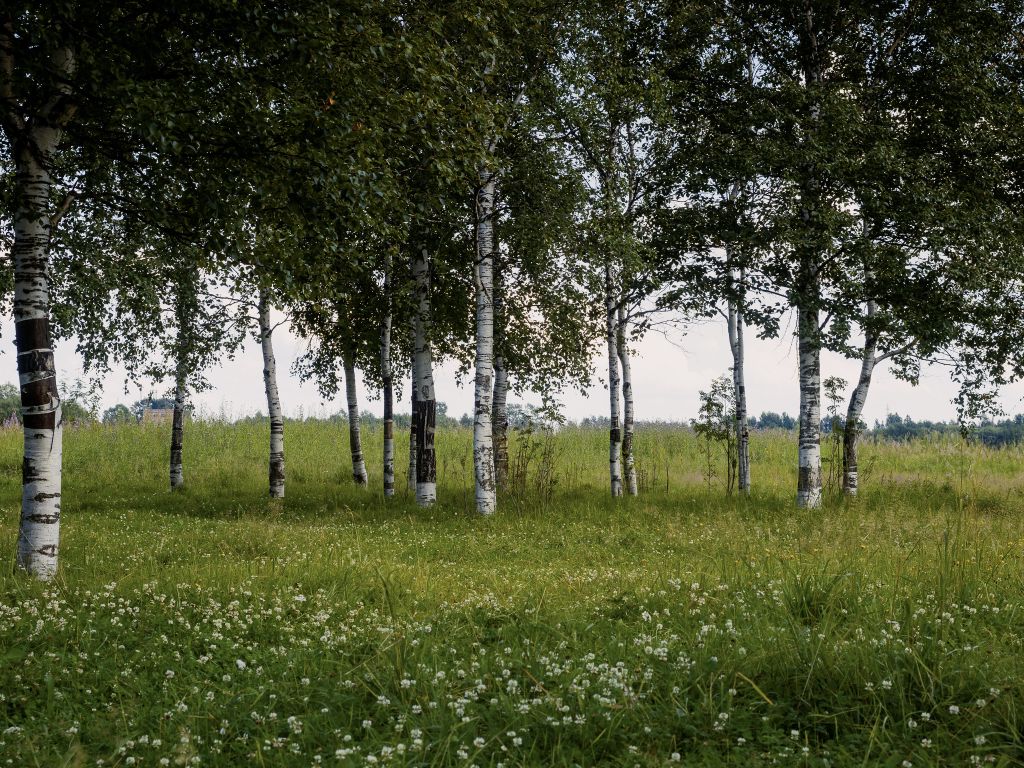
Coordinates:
x,y
611,331
354,425
424,402
387,382
412,430
499,412
809,293
736,323
276,462
809,452
622,350
483,439
178,428
33,144
851,430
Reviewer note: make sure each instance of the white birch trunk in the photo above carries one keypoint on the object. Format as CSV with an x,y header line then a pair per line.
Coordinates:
x,y
412,431
178,431
809,452
499,406
32,149
628,418
387,382
41,416
276,462
611,331
500,416
425,403
483,439
808,325
851,430
736,323
354,424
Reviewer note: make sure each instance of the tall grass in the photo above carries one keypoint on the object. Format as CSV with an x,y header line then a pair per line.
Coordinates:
x,y
213,627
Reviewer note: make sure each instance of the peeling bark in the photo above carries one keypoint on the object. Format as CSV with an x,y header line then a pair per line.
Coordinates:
x,y
33,144
354,424
276,463
424,404
611,331
483,443
628,419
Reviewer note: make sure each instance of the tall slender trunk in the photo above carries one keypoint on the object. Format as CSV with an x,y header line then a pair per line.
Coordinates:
x,y
809,456
184,311
483,442
809,286
739,384
628,419
178,429
424,403
499,410
276,463
354,431
32,146
611,331
412,431
851,430
41,416
387,382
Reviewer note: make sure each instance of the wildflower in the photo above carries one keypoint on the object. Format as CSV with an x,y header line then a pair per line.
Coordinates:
x,y
954,709
979,740
675,757
240,663
479,742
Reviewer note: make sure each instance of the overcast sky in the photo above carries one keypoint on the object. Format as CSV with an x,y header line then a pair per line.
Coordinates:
x,y
668,374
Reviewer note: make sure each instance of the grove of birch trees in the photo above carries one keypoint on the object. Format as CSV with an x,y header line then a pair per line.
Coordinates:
x,y
518,186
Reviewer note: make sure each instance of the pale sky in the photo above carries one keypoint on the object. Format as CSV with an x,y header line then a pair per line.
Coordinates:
x,y
668,374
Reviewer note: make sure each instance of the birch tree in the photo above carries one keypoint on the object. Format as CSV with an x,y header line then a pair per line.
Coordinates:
x,y
274,413
33,130
603,89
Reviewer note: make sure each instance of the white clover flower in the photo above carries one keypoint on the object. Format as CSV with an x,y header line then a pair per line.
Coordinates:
x,y
954,709
240,663
479,742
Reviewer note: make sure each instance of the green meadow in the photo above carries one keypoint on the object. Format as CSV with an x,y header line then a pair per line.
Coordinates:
x,y
211,627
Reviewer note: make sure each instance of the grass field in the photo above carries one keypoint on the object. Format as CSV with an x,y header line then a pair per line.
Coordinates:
x,y
213,628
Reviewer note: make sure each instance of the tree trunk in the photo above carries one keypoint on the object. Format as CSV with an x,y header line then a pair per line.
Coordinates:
x,y
851,430
424,403
41,417
412,431
276,464
739,393
387,382
809,291
622,349
32,146
483,442
354,431
178,429
809,458
611,330
499,411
